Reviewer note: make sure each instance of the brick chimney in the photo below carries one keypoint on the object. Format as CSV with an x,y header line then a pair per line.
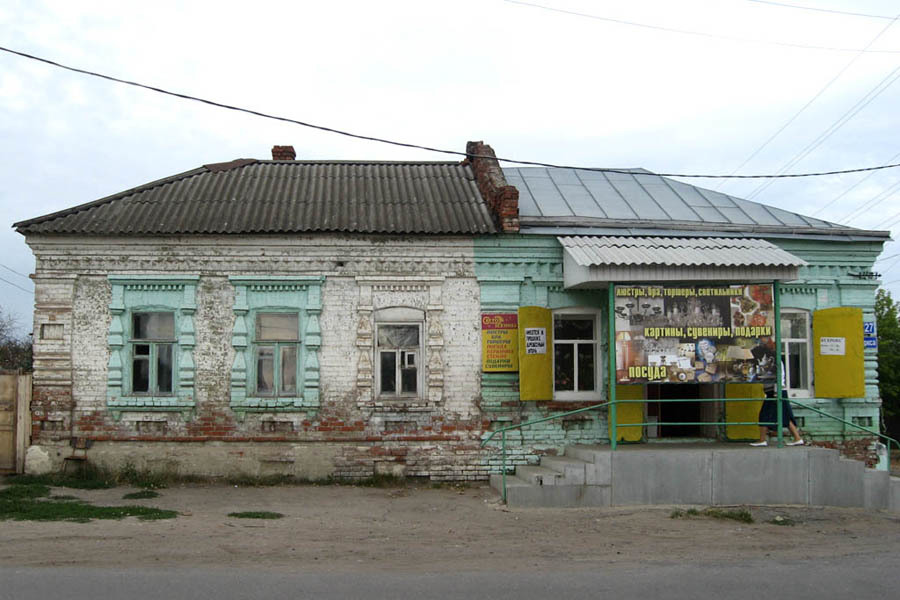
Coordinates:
x,y
502,198
283,153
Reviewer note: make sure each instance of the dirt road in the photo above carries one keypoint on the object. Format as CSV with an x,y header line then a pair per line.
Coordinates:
x,y
419,528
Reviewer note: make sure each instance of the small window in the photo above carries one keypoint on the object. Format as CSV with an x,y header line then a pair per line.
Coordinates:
x,y
277,349
152,353
575,357
795,349
398,351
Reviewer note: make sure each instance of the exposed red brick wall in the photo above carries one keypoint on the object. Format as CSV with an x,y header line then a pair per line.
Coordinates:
x,y
502,198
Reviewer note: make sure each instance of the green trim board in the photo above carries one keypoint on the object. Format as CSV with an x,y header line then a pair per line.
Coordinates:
x,y
276,294
131,294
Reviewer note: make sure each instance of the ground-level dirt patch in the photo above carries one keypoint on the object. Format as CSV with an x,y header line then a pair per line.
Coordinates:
x,y
420,528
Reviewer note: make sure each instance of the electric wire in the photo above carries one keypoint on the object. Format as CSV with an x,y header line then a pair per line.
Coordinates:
x,y
879,88
851,188
813,99
695,33
872,202
16,286
430,148
888,257
16,272
823,10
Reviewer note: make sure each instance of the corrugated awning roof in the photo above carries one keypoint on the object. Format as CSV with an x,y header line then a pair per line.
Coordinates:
x,y
734,252
263,196
591,262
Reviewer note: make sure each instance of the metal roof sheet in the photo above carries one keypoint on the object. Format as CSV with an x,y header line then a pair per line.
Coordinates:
x,y
576,198
261,196
668,251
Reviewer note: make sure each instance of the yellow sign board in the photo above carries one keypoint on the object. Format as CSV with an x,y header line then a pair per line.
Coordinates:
x,y
535,353
743,412
499,342
838,353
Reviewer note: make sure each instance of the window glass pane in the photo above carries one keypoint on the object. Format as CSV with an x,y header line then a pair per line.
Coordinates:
x,y
797,364
586,367
564,376
398,336
573,328
164,368
408,373
387,362
140,375
153,326
288,370
277,327
793,325
142,349
265,371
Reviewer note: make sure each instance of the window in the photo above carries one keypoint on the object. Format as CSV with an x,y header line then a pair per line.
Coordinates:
x,y
152,352
795,334
398,348
575,357
277,350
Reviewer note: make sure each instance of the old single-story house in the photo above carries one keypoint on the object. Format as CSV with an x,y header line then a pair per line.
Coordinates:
x,y
345,318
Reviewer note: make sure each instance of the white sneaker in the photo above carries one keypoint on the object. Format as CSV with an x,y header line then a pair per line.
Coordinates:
x,y
796,443
758,444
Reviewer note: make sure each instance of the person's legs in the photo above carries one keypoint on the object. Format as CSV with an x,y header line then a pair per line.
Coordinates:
x,y
763,437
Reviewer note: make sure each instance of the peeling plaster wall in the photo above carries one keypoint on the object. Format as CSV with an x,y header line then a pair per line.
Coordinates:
x,y
352,433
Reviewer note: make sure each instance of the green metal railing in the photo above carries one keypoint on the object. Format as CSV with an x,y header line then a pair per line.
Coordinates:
x,y
614,426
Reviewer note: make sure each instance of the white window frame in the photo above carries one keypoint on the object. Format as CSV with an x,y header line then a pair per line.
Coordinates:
x,y
400,316
807,392
152,356
277,348
576,395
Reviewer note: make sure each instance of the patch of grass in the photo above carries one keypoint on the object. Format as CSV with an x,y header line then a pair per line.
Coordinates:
x,y
32,502
783,521
88,477
65,497
256,514
741,514
261,480
141,495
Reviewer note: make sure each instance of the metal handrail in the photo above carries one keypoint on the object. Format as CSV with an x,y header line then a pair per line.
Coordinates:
x,y
503,430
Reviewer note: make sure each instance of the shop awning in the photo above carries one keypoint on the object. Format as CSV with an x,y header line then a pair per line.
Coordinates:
x,y
596,261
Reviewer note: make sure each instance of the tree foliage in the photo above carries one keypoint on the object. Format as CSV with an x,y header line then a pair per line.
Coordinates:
x,y
15,351
887,320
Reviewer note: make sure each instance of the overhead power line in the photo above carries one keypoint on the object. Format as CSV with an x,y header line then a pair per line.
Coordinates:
x,y
16,272
873,202
876,91
16,286
429,148
823,10
814,98
851,188
695,33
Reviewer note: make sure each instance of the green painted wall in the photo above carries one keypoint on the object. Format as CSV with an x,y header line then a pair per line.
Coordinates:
x,y
523,270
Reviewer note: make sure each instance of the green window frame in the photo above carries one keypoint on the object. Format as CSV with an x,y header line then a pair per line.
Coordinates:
x,y
151,344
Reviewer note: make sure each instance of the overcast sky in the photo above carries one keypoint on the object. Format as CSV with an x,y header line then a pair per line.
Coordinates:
x,y
537,84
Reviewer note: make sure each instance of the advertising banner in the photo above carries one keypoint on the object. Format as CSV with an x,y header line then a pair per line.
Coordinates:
x,y
499,342
695,334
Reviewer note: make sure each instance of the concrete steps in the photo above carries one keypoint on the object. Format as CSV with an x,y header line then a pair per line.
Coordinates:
x,y
705,474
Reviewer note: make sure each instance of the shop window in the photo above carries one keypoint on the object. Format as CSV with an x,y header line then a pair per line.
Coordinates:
x,y
576,360
277,350
399,353
152,353
795,351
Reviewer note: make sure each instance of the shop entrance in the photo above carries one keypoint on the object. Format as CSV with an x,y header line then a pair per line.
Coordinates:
x,y
681,412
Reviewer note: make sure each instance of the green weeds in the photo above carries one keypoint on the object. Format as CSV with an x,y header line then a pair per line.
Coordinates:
x,y
141,495
741,515
256,514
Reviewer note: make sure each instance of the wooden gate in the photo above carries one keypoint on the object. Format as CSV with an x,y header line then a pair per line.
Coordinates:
x,y
15,399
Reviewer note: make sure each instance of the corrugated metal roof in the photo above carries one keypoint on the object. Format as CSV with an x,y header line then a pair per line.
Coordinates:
x,y
734,252
255,196
575,198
